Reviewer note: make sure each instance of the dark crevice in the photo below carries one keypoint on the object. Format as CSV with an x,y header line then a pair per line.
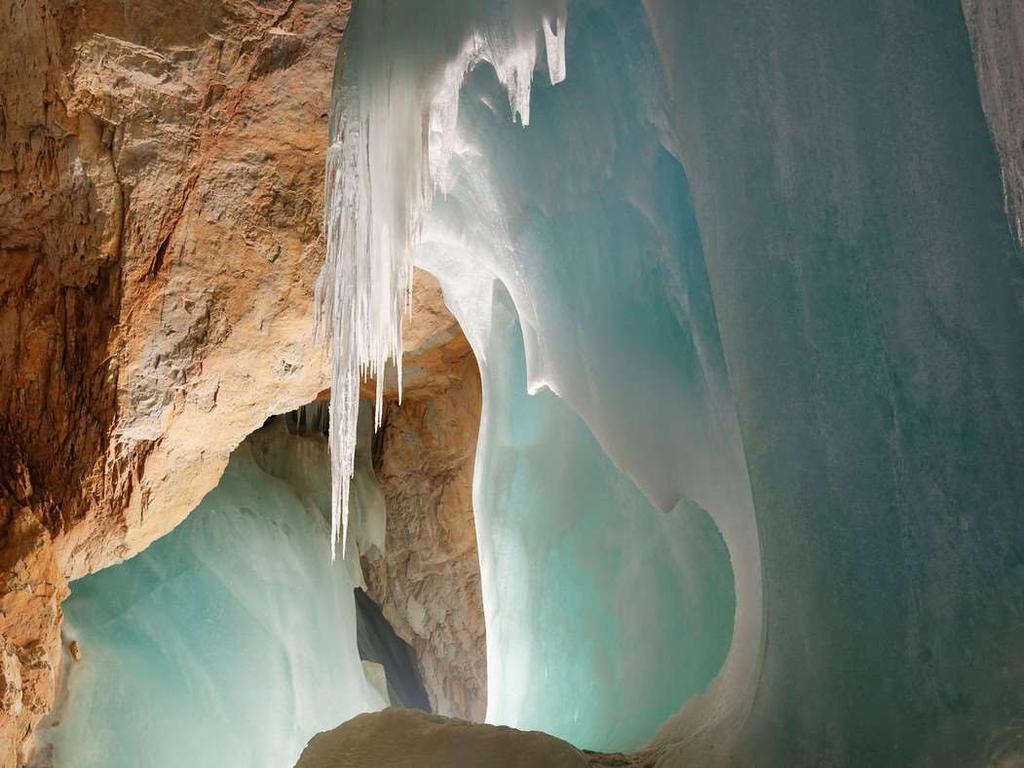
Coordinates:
x,y
378,643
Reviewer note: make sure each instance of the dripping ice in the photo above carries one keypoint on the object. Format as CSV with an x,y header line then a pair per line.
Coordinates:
x,y
393,132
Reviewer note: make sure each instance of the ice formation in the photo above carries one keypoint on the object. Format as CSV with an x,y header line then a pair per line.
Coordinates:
x,y
582,227
868,293
748,257
620,612
226,644
757,258
391,139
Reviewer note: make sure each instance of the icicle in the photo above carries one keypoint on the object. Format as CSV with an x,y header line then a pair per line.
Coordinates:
x,y
516,73
554,45
394,121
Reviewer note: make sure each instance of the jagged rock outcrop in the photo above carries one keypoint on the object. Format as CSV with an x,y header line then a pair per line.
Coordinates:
x,y
428,582
160,210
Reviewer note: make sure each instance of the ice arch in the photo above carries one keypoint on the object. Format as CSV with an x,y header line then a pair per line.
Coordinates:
x,y
606,612
857,382
582,226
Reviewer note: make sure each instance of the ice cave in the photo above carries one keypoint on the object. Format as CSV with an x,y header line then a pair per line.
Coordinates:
x,y
512,384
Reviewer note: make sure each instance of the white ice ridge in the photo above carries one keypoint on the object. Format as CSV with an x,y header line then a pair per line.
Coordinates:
x,y
393,129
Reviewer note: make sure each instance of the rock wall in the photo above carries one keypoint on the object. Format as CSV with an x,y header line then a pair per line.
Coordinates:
x,y
387,739
160,210
161,176
428,582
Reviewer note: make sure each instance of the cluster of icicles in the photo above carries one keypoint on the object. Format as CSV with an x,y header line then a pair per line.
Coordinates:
x,y
393,131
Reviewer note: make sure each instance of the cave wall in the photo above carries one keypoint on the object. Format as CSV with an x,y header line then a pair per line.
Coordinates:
x,y
160,210
160,234
160,183
59,247
428,582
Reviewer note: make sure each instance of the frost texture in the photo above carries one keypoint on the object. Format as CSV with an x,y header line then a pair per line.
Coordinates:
x,y
391,141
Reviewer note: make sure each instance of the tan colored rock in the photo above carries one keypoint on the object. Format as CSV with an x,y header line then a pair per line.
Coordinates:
x,y
428,582
161,173
219,145
397,738
31,590
401,738
160,209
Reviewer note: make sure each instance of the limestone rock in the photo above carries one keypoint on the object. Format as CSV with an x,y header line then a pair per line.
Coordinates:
x,y
406,738
403,738
161,176
31,590
160,210
428,581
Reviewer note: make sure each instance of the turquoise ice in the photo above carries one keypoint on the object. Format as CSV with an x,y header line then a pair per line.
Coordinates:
x,y
760,250
229,642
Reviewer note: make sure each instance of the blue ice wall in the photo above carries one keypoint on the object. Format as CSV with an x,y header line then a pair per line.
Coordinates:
x,y
766,263
570,253
869,298
609,613
229,642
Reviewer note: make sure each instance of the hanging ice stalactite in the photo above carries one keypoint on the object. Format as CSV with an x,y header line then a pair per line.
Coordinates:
x,y
394,113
